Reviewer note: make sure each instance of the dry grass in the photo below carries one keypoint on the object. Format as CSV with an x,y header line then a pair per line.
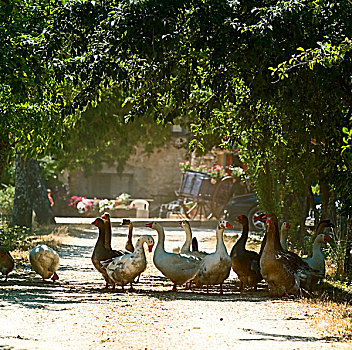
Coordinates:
x,y
49,235
332,299
333,319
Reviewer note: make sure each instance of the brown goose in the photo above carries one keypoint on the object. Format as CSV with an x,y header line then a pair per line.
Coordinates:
x,y
101,253
262,218
284,271
6,262
245,262
129,245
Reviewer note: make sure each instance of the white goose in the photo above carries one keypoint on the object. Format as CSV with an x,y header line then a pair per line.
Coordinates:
x,y
317,261
125,268
186,248
215,267
45,261
284,234
177,267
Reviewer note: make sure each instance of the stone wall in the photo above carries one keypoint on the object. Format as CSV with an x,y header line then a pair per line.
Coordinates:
x,y
154,176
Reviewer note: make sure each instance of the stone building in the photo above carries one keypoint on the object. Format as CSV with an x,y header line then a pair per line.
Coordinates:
x,y
155,177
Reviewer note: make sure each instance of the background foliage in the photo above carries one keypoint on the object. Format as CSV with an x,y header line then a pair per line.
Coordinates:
x,y
272,78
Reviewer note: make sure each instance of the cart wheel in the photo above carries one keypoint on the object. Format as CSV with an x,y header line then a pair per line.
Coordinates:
x,y
196,210
223,191
255,224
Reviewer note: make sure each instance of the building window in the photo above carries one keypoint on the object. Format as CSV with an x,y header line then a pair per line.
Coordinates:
x,y
105,185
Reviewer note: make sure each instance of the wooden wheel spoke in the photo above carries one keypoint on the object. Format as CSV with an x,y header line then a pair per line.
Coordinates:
x,y
221,195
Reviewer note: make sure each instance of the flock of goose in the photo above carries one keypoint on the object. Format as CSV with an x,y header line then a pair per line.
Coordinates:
x,y
285,272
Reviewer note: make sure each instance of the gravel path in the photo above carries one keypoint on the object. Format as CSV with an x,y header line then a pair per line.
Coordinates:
x,y
76,313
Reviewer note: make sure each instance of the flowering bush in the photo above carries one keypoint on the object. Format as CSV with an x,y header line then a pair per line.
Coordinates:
x,y
88,206
216,172
237,172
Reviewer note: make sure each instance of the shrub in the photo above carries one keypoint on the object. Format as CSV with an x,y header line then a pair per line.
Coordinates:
x,y
13,238
7,194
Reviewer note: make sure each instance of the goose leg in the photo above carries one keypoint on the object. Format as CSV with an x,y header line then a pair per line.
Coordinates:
x,y
221,291
174,289
190,284
131,288
241,287
207,288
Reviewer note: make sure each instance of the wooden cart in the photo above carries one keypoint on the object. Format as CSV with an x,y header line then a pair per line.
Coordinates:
x,y
200,198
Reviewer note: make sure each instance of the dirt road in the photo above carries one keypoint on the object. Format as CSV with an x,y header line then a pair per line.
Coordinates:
x,y
76,314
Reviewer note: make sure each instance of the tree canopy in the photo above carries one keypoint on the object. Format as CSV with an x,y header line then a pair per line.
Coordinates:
x,y
30,97
273,77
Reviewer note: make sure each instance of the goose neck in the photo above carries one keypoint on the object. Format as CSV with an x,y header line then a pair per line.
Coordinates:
x,y
107,239
244,236
187,245
139,246
130,229
101,237
220,245
317,249
283,239
273,237
161,239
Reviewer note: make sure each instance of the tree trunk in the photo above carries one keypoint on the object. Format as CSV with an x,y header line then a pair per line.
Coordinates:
x,y
347,262
38,194
4,152
324,192
30,194
303,204
22,204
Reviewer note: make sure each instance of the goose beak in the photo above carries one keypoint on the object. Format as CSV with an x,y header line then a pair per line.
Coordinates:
x,y
228,225
55,277
239,218
150,247
94,222
149,225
